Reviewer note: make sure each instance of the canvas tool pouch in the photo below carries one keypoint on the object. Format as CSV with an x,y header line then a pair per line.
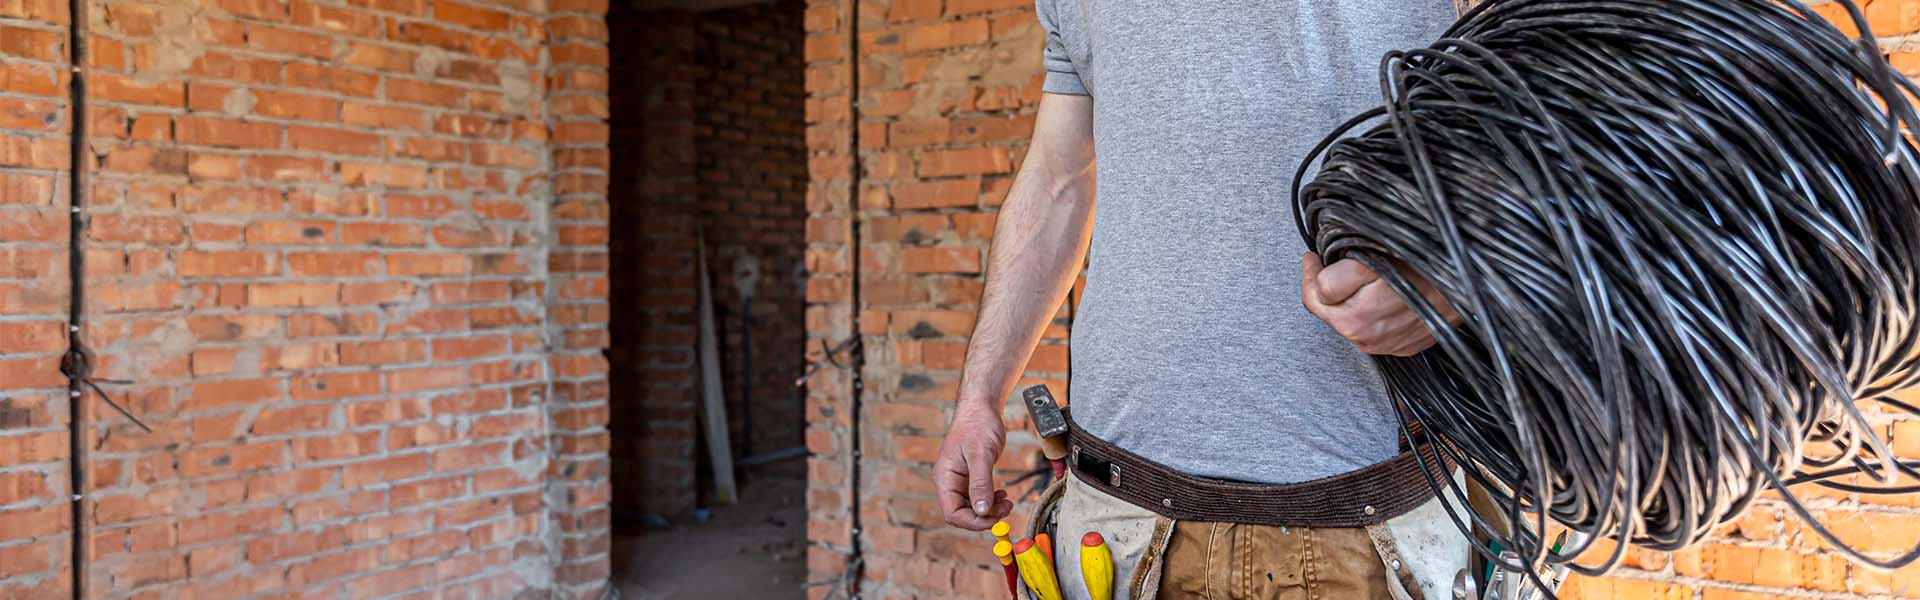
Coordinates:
x,y
1136,504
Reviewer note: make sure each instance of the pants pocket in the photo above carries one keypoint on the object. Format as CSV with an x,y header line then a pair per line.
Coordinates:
x,y
1343,563
1229,561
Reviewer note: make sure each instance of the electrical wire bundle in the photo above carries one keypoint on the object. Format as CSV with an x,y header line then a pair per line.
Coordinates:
x,y
1682,236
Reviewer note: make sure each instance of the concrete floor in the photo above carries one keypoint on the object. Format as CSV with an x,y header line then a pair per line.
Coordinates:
x,y
754,549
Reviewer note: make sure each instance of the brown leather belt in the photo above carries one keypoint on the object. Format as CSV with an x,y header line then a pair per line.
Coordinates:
x,y
1359,498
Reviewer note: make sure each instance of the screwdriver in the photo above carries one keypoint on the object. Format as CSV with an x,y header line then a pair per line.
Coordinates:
x,y
1004,551
1036,570
1096,566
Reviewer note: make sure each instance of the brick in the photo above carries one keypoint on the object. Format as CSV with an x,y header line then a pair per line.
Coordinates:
x,y
293,233
27,558
228,263
203,131
384,470
388,352
936,194
204,461
1892,17
335,385
134,229
228,200
287,168
963,7
971,161
333,79
940,260
469,16
334,141
35,521
221,65
902,10
383,116
421,92
289,105
332,264
333,565
293,294
946,35
279,40
41,153
426,264
334,19
292,420
32,44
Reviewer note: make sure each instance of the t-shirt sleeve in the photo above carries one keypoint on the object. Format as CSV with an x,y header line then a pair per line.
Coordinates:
x,y
1062,78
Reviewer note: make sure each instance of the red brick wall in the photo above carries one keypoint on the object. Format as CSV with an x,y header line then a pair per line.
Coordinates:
x,y
945,97
708,141
33,301
351,252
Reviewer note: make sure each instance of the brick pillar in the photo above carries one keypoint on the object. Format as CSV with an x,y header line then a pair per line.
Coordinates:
x,y
829,287
577,478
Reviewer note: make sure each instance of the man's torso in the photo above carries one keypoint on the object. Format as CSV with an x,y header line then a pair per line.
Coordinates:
x,y
1191,346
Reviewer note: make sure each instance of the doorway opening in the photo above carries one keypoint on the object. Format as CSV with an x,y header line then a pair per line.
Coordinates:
x,y
709,175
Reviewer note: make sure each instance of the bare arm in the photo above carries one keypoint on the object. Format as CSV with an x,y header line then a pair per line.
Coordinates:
x,y
1039,242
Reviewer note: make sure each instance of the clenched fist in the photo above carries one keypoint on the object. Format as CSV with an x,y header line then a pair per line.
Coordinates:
x,y
963,475
1362,308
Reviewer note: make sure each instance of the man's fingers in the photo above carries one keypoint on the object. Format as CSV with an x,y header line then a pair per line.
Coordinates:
x,y
1309,273
951,487
1339,281
980,483
1001,509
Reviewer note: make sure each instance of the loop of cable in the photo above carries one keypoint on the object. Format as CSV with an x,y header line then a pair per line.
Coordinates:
x,y
1682,235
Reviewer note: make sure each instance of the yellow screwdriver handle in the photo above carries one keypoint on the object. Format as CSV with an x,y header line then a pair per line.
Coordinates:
x,y
1096,566
1036,570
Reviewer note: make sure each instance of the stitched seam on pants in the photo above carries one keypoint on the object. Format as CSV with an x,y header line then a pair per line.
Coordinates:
x,y
1247,564
1206,575
1308,577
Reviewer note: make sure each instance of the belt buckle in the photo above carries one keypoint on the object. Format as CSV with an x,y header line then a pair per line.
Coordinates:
x,y
1098,468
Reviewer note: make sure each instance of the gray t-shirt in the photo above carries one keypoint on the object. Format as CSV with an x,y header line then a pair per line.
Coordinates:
x,y
1191,347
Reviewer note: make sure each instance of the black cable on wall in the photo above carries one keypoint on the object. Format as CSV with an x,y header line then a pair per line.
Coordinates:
x,y
857,362
75,363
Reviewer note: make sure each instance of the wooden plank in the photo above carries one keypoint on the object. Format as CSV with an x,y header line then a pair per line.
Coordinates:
x,y
713,403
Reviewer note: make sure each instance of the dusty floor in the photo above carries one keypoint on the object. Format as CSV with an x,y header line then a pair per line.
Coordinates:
x,y
754,549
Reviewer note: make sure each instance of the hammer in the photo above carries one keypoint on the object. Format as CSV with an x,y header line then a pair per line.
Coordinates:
x,y
1049,422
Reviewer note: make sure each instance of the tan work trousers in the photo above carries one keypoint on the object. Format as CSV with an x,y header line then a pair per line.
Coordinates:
x,y
1156,557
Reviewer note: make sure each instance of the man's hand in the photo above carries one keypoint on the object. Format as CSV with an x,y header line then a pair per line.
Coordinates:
x,y
1363,309
963,475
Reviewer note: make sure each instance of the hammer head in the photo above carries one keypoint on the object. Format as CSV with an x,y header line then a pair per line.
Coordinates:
x,y
1044,411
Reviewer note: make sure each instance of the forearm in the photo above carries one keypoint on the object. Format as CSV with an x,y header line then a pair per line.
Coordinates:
x,y
1039,243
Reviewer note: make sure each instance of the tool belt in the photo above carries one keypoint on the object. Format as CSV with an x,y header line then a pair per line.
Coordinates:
x,y
1368,496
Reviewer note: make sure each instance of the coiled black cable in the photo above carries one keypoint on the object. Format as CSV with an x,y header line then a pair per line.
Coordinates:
x,y
1682,235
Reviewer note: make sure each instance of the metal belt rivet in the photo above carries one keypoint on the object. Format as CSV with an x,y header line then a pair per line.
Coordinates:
x,y
1369,510
1396,565
1167,502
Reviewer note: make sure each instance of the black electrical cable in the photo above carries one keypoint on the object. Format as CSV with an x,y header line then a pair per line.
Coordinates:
x,y
1682,238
